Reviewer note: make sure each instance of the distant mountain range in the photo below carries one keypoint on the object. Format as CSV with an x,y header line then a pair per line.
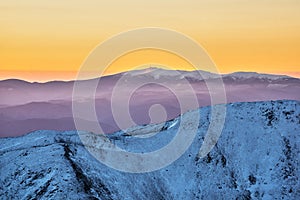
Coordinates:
x,y
25,106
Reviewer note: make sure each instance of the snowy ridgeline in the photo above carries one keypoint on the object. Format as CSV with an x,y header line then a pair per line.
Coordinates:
x,y
157,73
256,157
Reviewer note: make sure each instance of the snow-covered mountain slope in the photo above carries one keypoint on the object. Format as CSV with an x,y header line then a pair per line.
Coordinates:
x,y
256,157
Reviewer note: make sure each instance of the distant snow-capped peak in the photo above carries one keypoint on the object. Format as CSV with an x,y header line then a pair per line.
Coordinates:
x,y
158,73
248,75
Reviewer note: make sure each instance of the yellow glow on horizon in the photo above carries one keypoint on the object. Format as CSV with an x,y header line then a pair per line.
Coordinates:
x,y
148,58
49,40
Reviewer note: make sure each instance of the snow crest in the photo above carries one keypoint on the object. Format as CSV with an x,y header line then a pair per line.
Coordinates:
x,y
256,157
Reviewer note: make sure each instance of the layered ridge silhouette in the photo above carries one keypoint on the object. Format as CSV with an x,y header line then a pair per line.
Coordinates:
x,y
26,107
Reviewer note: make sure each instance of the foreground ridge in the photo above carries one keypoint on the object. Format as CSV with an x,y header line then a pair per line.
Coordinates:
x,y
256,157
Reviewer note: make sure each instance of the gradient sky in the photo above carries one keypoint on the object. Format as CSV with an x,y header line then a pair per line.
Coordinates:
x,y
49,39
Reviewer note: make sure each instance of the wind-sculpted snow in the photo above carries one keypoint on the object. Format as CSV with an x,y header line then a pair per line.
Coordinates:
x,y
256,157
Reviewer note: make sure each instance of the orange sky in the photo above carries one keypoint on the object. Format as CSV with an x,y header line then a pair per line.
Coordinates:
x,y
48,40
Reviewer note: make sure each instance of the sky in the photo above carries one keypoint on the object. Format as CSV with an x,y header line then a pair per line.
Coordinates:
x,y
50,39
